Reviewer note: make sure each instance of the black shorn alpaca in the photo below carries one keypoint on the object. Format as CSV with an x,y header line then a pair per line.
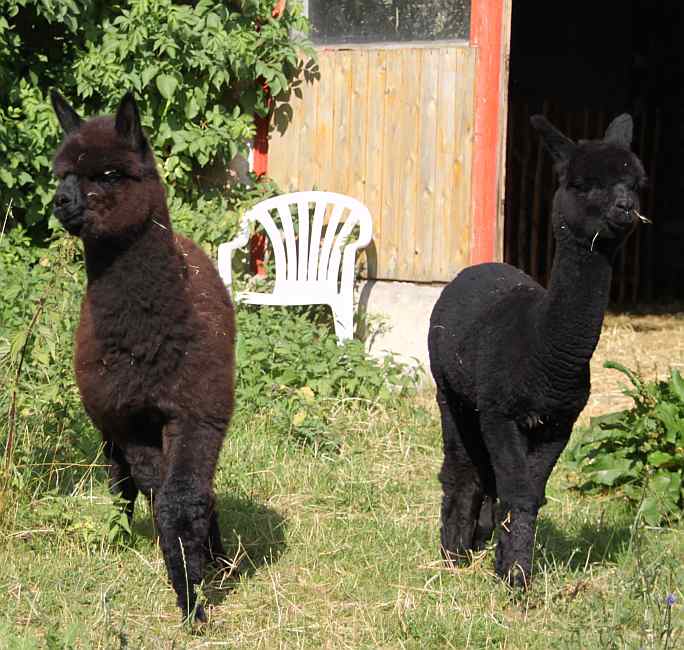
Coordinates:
x,y
511,359
154,348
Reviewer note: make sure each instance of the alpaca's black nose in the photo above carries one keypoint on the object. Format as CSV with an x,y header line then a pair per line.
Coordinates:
x,y
68,196
62,200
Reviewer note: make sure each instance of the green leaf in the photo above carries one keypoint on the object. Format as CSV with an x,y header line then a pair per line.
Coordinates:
x,y
677,383
6,177
148,74
607,476
650,511
167,85
659,458
191,108
633,377
666,485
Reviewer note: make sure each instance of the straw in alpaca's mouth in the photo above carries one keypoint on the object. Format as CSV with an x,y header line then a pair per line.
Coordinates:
x,y
641,217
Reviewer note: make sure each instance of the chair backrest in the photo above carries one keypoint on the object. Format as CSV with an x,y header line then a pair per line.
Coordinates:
x,y
313,251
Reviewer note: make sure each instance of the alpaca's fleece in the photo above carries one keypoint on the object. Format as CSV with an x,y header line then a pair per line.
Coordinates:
x,y
511,359
154,349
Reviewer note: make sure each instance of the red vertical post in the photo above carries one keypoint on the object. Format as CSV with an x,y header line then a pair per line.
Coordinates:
x,y
260,150
257,242
486,35
260,155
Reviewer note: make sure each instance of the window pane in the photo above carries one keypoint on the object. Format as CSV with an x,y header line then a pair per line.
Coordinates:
x,y
368,21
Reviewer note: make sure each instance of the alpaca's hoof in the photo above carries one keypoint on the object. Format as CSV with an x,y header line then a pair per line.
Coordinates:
x,y
193,615
455,558
515,576
200,614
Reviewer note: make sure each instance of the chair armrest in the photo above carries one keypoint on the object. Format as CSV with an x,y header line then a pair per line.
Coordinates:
x,y
225,252
349,254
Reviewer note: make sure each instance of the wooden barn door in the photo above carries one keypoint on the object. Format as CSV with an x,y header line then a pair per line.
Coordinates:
x,y
392,127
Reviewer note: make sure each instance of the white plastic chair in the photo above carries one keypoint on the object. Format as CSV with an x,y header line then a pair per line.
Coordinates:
x,y
317,266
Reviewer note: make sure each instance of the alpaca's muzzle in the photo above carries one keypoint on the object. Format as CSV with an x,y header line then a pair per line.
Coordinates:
x,y
69,205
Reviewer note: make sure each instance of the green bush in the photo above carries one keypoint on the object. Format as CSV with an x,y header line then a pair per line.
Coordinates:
x,y
197,69
641,450
289,362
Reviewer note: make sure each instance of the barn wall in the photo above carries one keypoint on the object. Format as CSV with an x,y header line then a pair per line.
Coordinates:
x,y
392,127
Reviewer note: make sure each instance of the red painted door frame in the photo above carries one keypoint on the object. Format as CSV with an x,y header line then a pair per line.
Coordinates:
x,y
489,24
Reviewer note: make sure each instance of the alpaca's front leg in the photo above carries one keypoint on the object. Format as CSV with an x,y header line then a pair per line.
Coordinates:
x,y
184,508
546,445
518,502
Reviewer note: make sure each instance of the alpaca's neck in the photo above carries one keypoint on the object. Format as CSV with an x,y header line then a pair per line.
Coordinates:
x,y
571,316
138,282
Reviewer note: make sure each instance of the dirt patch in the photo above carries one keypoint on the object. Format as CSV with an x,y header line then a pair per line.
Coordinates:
x,y
651,344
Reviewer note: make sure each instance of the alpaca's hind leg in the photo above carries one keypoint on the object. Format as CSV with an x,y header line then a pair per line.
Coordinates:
x,y
485,522
214,546
146,462
184,507
121,482
518,501
462,490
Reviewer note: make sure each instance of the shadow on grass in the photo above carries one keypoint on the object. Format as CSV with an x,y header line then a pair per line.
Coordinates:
x,y
253,536
602,542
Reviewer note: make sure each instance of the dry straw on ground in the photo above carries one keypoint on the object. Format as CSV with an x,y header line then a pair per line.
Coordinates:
x,y
651,344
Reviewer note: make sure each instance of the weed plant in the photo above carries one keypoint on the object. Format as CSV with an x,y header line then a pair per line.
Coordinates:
x,y
639,451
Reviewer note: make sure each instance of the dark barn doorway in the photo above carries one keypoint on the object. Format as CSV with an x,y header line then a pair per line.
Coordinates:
x,y
582,63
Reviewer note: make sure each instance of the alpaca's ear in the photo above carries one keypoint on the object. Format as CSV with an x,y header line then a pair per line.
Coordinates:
x,y
127,123
620,130
67,116
558,145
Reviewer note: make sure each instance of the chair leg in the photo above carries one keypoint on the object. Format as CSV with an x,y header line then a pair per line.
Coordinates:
x,y
343,316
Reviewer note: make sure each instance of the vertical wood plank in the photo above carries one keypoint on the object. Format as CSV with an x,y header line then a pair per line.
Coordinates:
x,y
428,227
322,143
445,162
307,128
358,134
341,163
388,260
291,176
374,161
461,224
407,183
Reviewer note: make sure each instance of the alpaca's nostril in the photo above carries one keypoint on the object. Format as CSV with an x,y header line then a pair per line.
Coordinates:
x,y
61,200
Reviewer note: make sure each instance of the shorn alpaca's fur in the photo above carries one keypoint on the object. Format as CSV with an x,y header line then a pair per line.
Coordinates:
x,y
511,359
154,355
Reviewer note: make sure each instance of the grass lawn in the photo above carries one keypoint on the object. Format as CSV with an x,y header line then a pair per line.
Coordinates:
x,y
336,549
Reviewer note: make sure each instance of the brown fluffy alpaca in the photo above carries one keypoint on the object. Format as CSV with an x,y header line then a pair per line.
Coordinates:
x,y
154,349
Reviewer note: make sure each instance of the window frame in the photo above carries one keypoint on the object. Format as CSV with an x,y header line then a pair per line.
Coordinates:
x,y
390,44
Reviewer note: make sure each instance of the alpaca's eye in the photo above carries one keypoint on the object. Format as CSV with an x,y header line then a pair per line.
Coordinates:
x,y
109,176
581,184
588,184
